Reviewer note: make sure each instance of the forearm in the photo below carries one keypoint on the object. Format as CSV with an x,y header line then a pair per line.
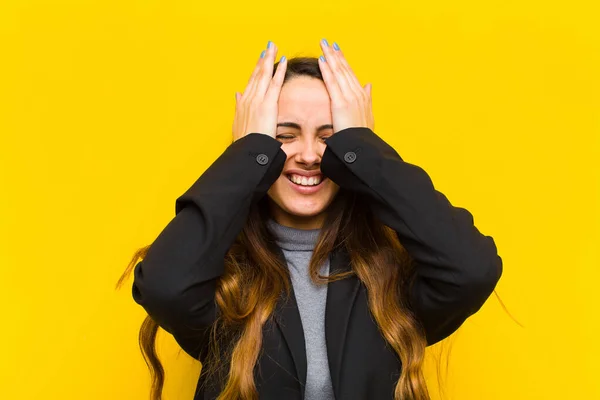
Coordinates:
x,y
177,275
458,266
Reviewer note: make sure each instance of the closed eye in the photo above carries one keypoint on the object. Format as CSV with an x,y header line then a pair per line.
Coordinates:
x,y
289,137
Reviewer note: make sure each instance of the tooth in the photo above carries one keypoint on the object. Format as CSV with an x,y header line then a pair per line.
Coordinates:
x,y
305,181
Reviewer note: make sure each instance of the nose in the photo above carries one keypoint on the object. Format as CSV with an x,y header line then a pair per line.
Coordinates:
x,y
310,152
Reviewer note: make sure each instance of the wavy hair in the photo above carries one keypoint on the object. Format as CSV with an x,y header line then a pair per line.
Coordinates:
x,y
255,276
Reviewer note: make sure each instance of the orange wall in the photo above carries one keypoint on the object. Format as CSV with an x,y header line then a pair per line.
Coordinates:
x,y
110,109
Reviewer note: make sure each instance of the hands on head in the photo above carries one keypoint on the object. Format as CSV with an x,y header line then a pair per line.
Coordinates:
x,y
256,107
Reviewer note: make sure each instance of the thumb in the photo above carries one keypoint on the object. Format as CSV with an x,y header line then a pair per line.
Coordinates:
x,y
368,88
237,97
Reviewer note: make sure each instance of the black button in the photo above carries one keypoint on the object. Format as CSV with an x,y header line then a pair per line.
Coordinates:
x,y
262,159
350,157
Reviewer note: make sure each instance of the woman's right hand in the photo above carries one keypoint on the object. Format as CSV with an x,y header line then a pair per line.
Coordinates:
x,y
256,108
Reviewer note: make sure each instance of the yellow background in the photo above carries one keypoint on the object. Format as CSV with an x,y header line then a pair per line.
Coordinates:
x,y
110,109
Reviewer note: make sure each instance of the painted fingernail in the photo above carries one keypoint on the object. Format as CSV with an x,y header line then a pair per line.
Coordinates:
x,y
282,59
263,53
335,46
269,44
325,42
322,58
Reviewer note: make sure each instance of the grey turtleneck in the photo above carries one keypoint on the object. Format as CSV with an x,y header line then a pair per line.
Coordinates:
x,y
297,246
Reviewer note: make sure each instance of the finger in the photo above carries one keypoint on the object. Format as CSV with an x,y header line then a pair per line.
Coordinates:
x,y
336,69
349,72
344,68
237,97
369,89
266,74
331,83
266,61
252,80
274,90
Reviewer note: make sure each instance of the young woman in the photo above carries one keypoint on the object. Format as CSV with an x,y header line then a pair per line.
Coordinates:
x,y
309,261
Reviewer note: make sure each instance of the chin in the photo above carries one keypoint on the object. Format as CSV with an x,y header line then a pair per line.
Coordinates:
x,y
303,209
300,206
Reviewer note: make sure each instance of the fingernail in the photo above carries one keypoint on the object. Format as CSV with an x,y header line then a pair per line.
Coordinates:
x,y
269,44
322,58
282,59
263,53
325,42
335,46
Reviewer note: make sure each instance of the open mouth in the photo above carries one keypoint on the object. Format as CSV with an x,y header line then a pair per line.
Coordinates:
x,y
306,181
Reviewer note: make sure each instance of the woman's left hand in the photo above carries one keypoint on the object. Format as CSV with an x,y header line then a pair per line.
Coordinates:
x,y
351,104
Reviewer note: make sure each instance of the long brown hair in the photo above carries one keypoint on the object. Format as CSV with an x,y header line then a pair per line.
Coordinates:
x,y
255,276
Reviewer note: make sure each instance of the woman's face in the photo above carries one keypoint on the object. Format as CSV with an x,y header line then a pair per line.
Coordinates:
x,y
301,194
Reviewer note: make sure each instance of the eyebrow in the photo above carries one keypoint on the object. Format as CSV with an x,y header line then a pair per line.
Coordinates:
x,y
296,126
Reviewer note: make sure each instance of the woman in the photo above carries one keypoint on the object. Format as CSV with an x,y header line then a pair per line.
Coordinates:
x,y
309,261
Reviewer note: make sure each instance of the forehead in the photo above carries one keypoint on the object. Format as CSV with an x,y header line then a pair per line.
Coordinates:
x,y
304,99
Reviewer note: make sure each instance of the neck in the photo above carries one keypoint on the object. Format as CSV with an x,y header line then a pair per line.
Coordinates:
x,y
292,238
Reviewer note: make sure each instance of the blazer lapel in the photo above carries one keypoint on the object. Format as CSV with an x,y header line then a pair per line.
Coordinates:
x,y
340,300
287,317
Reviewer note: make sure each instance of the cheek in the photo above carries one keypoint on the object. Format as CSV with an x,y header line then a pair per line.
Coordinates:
x,y
276,190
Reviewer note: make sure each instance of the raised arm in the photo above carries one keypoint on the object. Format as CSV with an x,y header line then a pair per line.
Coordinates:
x,y
457,266
176,281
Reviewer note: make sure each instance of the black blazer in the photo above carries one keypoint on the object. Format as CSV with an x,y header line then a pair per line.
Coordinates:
x,y
457,266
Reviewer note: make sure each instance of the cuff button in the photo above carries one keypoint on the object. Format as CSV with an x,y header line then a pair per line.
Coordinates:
x,y
350,157
262,159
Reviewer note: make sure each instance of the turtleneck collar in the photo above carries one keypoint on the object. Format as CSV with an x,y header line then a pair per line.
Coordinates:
x,y
293,238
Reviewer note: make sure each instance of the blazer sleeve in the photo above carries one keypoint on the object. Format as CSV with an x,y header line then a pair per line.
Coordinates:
x,y
175,282
457,267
